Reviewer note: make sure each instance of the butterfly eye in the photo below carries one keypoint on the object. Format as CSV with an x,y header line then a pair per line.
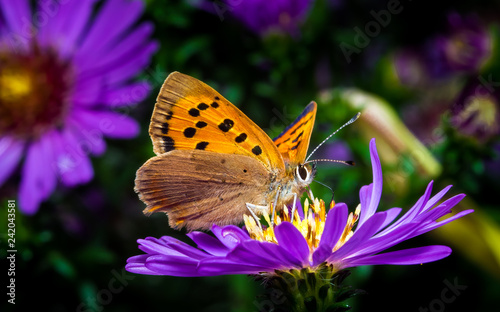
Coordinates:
x,y
302,173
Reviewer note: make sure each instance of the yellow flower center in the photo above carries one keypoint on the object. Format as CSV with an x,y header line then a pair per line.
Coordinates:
x,y
14,85
33,91
311,227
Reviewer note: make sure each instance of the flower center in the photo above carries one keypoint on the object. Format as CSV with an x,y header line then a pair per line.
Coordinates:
x,y
311,227
33,92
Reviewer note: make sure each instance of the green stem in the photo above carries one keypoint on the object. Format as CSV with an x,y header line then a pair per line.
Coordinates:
x,y
309,290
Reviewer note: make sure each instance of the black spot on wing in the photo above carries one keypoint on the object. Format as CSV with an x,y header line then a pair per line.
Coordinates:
x,y
168,116
164,128
241,138
215,104
201,145
201,124
194,112
257,150
226,125
167,143
189,132
202,106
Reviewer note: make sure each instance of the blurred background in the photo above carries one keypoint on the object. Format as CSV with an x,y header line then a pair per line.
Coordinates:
x,y
424,74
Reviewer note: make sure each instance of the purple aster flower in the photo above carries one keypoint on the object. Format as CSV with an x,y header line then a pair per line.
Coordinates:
x,y
261,16
63,70
322,242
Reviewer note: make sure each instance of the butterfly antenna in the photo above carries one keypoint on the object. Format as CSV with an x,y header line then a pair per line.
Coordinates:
x,y
345,162
353,119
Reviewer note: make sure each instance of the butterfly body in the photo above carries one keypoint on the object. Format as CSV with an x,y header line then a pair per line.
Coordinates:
x,y
212,160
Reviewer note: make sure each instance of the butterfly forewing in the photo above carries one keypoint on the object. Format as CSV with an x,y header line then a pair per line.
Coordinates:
x,y
190,115
293,142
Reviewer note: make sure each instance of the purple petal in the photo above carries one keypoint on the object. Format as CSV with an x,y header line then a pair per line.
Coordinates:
x,y
335,223
256,253
172,247
222,266
88,131
290,239
105,28
17,15
38,179
11,151
230,235
184,249
406,256
172,265
441,210
48,157
136,264
431,202
119,52
65,29
106,123
139,259
365,195
367,212
127,95
380,243
412,212
88,92
209,243
435,225
361,235
135,63
72,161
391,215
153,246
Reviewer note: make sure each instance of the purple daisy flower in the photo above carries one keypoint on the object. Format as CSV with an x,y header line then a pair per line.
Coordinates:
x,y
320,239
63,70
261,16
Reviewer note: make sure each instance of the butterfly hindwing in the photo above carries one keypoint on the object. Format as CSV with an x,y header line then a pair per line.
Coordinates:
x,y
190,115
200,188
293,142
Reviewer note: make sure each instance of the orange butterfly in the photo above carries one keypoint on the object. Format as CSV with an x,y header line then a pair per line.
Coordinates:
x,y
214,164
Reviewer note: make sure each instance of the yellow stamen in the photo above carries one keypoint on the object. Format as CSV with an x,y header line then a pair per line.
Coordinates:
x,y
311,227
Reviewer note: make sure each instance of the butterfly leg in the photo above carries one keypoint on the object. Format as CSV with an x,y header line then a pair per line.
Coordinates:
x,y
274,205
294,206
251,208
